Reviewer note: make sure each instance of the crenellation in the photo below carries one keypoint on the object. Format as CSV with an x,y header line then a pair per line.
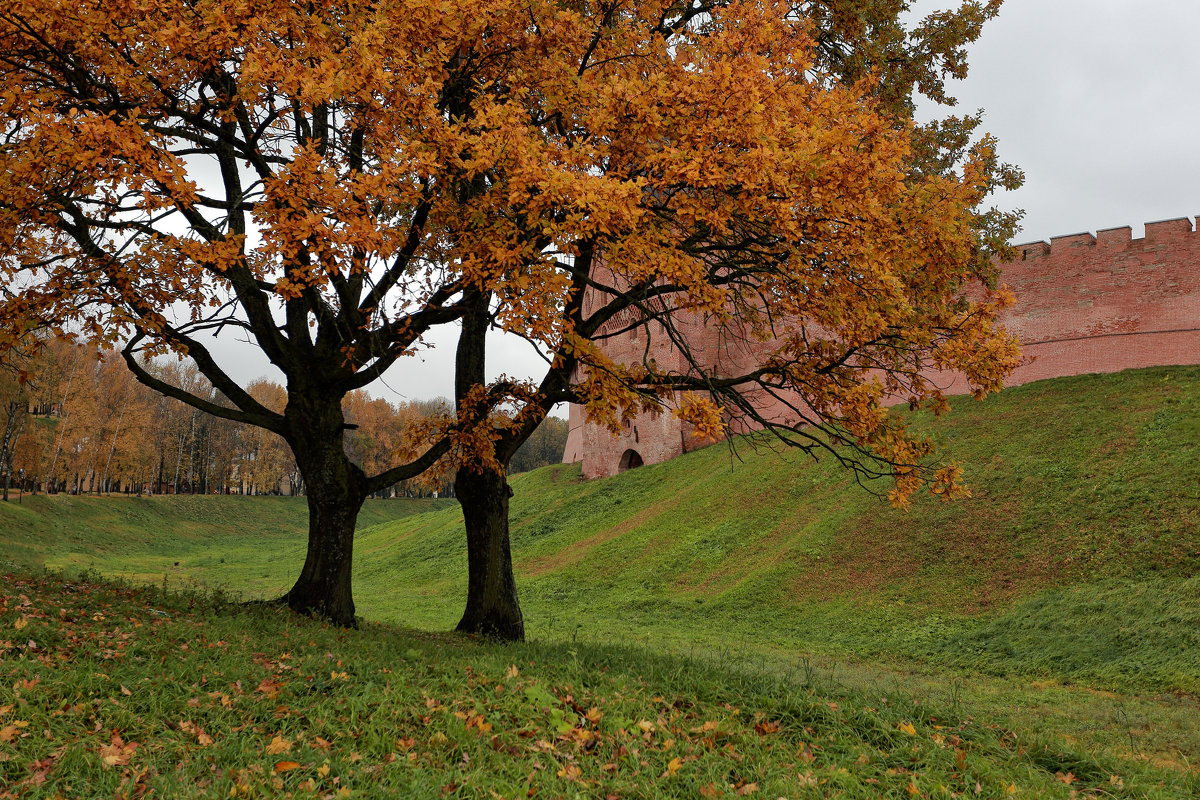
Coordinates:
x,y
1033,250
1091,303
1115,237
1168,228
1071,240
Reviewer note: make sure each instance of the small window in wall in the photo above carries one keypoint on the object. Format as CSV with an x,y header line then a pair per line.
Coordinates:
x,y
629,460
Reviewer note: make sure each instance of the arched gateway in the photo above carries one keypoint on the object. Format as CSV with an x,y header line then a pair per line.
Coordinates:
x,y
629,460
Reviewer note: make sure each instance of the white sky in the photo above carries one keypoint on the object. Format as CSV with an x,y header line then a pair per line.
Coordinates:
x,y
1096,100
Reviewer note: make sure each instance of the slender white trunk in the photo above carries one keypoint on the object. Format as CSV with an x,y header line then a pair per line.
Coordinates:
x,y
112,447
62,426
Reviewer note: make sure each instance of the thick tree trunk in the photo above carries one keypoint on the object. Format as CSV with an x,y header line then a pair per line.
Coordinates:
x,y
337,489
492,607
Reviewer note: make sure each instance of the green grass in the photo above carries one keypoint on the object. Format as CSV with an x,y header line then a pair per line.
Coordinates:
x,y
1060,601
222,539
1082,529
121,692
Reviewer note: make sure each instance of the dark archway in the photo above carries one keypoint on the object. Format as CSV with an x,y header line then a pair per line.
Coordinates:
x,y
629,460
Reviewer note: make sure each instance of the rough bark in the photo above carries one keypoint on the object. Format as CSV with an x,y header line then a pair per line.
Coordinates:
x,y
492,608
337,489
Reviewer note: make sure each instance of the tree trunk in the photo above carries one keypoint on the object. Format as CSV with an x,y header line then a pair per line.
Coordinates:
x,y
337,489
492,607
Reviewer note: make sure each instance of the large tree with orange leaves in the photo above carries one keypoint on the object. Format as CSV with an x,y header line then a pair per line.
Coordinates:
x,y
333,180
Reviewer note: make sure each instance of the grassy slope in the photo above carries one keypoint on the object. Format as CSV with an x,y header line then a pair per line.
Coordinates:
x,y
120,693
227,539
1075,559
1074,563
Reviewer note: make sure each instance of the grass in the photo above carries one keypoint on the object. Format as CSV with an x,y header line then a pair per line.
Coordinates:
x,y
131,692
224,539
1059,601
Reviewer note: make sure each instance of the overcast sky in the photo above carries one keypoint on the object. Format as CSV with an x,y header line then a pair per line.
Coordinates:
x,y
1096,100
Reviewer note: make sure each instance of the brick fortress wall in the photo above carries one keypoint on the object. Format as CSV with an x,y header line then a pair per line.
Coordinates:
x,y
1085,304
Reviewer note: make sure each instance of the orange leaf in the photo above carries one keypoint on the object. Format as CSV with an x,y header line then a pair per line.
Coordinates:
x,y
570,772
279,746
286,766
117,753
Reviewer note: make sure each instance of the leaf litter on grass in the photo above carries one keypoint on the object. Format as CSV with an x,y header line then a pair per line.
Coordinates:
x,y
109,699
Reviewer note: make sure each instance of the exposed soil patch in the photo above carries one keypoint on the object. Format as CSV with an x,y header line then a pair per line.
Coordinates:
x,y
574,553
971,563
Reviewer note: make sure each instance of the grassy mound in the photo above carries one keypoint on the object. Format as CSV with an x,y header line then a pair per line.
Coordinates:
x,y
1060,600
135,692
144,537
1074,559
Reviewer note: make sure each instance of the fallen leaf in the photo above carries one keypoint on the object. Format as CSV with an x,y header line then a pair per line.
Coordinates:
x,y
10,732
749,788
512,671
907,727
674,765
279,746
117,753
20,623
286,766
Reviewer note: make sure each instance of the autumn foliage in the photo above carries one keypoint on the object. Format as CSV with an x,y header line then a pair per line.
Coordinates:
x,y
73,419
335,180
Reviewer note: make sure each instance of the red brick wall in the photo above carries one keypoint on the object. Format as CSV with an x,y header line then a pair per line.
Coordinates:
x,y
1085,304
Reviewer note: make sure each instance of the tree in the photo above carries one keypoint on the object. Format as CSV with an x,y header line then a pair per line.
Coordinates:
x,y
333,180
544,446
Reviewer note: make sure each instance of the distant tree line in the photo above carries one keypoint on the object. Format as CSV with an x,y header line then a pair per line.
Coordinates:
x,y
74,420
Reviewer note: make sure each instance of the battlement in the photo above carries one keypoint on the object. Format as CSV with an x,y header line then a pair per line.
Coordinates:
x,y
1157,233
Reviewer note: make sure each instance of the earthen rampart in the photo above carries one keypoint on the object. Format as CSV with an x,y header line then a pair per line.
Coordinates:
x,y
1085,304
